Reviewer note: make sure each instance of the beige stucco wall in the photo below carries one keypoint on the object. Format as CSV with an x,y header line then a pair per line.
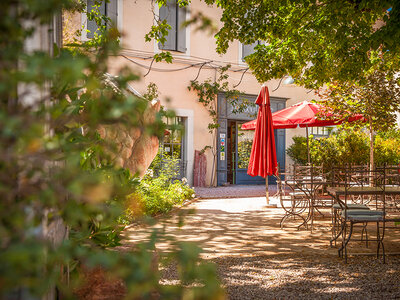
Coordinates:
x,y
135,19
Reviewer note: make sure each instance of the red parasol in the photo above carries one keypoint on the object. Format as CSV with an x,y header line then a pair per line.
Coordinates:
x,y
263,153
303,114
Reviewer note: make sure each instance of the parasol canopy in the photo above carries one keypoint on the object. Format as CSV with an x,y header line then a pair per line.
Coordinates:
x,y
303,114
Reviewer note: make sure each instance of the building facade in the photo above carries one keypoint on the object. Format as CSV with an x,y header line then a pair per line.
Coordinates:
x,y
195,58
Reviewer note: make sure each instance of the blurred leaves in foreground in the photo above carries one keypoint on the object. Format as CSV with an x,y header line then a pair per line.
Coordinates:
x,y
62,194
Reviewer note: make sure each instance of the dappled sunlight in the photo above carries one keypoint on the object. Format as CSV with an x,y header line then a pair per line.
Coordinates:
x,y
252,252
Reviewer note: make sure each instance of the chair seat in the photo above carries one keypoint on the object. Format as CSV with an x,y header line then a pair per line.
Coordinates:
x,y
365,218
366,212
297,194
351,206
363,215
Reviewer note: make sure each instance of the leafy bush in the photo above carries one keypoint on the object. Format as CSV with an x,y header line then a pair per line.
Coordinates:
x,y
387,151
159,194
244,151
347,147
298,150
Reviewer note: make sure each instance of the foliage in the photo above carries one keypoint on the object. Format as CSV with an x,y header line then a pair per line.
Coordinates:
x,y
244,151
315,42
387,150
207,93
152,92
298,150
347,147
375,95
161,189
55,173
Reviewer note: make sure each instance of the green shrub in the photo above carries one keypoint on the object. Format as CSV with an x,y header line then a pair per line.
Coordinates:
x,y
244,151
160,190
387,151
347,146
298,150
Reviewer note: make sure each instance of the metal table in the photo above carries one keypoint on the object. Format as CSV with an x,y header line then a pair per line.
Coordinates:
x,y
309,187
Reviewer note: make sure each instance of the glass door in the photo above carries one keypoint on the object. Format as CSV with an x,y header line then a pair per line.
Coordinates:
x,y
244,142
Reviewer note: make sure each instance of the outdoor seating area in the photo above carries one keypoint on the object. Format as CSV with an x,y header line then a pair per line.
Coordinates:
x,y
354,197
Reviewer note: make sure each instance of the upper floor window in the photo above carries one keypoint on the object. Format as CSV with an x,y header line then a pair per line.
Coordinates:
x,y
108,9
248,49
175,16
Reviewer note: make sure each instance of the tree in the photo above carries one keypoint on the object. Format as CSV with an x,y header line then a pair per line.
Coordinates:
x,y
313,41
375,95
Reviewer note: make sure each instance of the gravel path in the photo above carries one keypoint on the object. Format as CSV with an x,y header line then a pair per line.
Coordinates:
x,y
255,259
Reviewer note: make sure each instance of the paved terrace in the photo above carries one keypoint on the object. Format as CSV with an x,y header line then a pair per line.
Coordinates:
x,y
234,191
256,259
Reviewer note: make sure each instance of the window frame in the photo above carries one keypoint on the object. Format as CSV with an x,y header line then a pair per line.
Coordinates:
x,y
176,39
256,43
111,10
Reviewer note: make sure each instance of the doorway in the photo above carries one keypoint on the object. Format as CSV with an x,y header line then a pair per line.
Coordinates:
x,y
239,143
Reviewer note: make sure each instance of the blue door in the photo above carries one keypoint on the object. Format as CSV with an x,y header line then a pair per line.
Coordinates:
x,y
244,142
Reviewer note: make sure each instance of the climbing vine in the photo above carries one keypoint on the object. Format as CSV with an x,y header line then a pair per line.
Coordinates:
x,y
207,93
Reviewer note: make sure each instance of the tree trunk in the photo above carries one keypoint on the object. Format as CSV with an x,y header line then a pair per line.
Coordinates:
x,y
371,151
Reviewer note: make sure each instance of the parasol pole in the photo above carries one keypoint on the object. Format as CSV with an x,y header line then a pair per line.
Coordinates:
x,y
308,146
266,189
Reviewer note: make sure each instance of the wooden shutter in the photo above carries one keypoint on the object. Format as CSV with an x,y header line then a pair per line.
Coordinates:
x,y
112,11
168,13
248,49
181,46
91,25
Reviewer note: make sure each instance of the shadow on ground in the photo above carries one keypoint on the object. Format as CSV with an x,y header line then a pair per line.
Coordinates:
x,y
256,259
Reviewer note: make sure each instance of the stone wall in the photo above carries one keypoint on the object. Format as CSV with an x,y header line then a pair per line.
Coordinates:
x,y
135,149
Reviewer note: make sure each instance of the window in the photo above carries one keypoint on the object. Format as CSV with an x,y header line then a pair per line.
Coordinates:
x,y
108,9
173,144
319,132
248,49
175,16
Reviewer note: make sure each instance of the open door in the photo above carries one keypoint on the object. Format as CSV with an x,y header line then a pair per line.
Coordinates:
x,y
244,142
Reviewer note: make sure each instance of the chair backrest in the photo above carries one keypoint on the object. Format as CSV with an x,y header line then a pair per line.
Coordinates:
x,y
390,175
310,172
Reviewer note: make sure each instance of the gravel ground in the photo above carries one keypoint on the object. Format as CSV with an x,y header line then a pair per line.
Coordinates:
x,y
255,259
308,278
303,277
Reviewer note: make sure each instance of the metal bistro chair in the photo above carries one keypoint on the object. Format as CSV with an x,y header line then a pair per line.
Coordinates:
x,y
298,198
340,176
293,201
311,180
350,217
392,199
